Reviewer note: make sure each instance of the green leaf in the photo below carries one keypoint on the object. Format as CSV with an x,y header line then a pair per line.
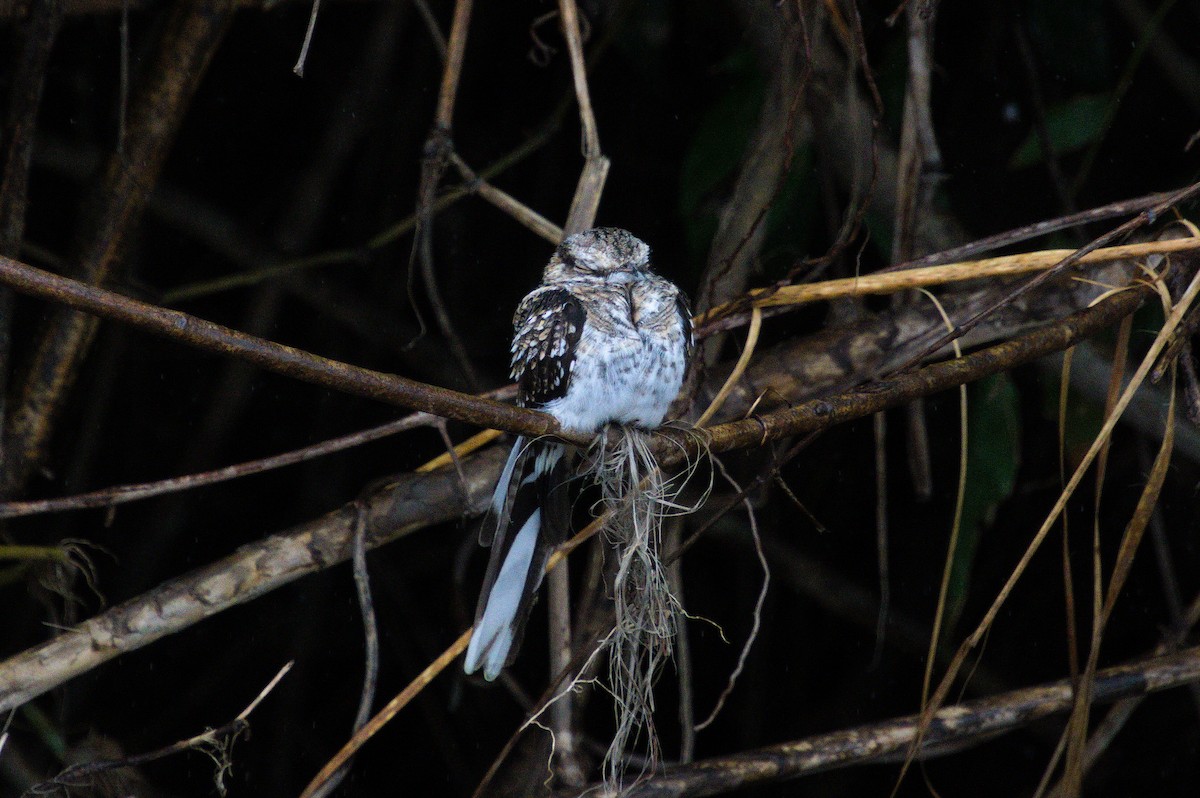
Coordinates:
x,y
1071,125
993,456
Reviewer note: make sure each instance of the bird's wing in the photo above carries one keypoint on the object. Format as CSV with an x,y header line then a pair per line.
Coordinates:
x,y
684,309
548,325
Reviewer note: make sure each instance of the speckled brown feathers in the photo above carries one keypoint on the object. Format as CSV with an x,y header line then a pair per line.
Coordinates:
x,y
548,324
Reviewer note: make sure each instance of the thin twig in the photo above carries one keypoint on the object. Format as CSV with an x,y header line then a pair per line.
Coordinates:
x,y
758,606
739,369
506,202
437,150
879,423
387,713
120,494
431,25
973,640
216,742
683,645
362,586
1019,235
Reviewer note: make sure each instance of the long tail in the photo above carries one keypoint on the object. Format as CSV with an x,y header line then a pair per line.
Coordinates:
x,y
530,508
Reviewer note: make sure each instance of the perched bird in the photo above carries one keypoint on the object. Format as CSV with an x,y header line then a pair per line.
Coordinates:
x,y
602,339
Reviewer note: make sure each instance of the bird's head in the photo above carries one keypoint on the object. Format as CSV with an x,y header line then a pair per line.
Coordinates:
x,y
609,254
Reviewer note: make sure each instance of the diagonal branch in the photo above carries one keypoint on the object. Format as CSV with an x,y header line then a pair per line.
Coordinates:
x,y
410,502
952,729
279,358
415,501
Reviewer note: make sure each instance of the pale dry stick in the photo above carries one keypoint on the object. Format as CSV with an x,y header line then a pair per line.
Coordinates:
x,y
891,282
455,52
564,751
471,444
1119,713
595,167
308,34
570,22
431,26
17,551
738,370
1035,230
506,202
956,524
1077,730
1160,342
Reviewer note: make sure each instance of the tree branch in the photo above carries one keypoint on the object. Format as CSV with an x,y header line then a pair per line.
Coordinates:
x,y
952,729
409,503
414,501
281,359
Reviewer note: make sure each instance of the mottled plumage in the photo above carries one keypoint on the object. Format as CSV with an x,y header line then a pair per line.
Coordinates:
x,y
602,339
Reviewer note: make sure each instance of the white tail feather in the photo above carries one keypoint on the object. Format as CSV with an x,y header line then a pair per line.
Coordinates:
x,y
493,635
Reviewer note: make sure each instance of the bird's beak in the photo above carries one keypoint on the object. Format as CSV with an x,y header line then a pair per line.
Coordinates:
x,y
620,278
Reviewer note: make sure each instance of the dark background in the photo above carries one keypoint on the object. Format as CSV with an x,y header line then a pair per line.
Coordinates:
x,y
269,166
